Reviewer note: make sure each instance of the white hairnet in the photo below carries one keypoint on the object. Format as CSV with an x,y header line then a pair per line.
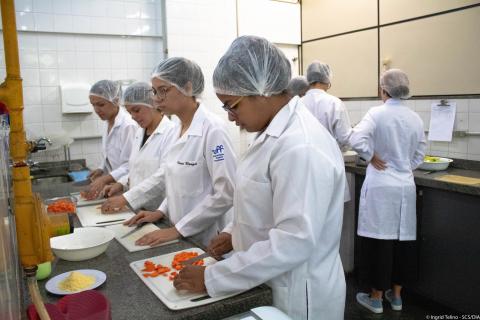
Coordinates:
x,y
395,83
252,66
180,72
297,86
319,71
138,93
108,90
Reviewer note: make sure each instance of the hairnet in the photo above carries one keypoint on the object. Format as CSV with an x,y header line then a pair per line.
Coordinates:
x,y
139,93
395,83
108,90
180,72
297,86
319,71
252,66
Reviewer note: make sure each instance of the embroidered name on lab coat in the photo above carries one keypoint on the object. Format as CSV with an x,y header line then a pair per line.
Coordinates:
x,y
218,154
187,163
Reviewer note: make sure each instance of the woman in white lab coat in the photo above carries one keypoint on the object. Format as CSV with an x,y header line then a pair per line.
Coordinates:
x,y
329,110
117,138
198,170
288,197
150,144
391,137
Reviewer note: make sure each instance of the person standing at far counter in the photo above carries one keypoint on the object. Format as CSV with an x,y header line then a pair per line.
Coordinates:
x,y
392,139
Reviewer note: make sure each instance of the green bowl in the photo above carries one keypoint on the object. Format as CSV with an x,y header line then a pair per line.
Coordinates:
x,y
44,270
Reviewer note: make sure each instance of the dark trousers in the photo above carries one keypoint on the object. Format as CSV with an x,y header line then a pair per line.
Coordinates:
x,y
387,262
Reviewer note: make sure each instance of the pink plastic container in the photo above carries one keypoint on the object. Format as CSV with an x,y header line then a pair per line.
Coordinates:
x,y
86,305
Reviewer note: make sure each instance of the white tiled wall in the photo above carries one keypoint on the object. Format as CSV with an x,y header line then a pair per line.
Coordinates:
x,y
467,119
65,42
120,17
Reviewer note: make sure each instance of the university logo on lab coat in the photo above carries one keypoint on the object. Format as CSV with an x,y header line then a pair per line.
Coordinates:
x,y
218,154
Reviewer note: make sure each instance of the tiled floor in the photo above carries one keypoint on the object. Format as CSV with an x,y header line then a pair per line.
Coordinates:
x,y
413,307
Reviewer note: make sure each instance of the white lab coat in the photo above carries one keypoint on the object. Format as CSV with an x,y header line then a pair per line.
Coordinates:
x,y
117,145
388,198
332,114
145,160
288,206
197,176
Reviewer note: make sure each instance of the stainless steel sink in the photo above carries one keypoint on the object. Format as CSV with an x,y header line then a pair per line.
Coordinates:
x,y
51,180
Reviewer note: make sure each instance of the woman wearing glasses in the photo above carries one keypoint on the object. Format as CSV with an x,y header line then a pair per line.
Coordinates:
x,y
150,143
288,200
197,172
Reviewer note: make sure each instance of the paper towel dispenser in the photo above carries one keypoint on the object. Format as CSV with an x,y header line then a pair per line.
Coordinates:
x,y
75,98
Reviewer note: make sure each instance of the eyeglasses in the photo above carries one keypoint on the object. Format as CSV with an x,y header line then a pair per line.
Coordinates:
x,y
161,92
229,109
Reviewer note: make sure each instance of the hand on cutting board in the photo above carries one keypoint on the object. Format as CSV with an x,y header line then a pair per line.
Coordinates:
x,y
144,216
378,163
158,236
191,278
96,187
112,189
220,245
114,204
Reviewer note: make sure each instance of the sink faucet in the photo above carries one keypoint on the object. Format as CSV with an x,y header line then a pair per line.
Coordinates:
x,y
40,140
39,144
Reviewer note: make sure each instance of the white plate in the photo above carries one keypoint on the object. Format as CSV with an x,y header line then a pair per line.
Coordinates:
x,y
52,284
164,289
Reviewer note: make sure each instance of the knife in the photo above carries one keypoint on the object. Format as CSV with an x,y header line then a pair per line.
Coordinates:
x,y
197,258
109,221
137,227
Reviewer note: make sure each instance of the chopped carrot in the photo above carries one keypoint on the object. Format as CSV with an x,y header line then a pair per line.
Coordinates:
x,y
61,206
153,270
182,256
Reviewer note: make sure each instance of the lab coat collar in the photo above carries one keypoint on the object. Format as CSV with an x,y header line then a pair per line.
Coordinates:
x,y
120,118
314,91
280,121
160,129
392,101
196,127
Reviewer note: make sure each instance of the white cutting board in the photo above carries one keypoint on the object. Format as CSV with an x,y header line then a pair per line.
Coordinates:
x,y
81,202
89,216
164,289
129,241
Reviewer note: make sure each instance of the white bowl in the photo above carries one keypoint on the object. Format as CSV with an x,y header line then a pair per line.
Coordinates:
x,y
82,244
441,164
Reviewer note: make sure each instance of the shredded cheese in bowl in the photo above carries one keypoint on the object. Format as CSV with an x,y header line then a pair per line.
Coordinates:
x,y
76,281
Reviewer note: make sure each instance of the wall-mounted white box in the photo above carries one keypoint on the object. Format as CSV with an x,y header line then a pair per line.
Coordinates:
x,y
75,98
